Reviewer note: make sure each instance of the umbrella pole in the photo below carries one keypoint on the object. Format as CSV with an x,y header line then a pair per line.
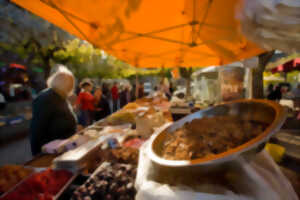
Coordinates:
x,y
188,83
249,75
137,85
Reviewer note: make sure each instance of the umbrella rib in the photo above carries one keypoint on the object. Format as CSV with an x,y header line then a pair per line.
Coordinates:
x,y
158,38
71,22
204,17
153,32
66,12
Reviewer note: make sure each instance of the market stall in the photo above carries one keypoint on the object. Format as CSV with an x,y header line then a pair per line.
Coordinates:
x,y
113,142
137,153
108,160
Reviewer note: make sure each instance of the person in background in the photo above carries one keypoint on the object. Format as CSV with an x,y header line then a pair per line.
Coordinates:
x,y
115,96
133,93
296,91
164,88
139,91
296,98
101,105
52,115
285,92
128,93
105,90
270,89
276,94
123,99
85,103
125,96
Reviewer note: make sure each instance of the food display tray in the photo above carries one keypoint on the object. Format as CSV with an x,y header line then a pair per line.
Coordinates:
x,y
35,170
264,111
57,196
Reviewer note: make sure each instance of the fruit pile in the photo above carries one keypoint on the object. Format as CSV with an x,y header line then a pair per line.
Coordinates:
x,y
40,186
11,175
110,182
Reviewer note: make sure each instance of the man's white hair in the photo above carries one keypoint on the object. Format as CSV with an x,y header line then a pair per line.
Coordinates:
x,y
62,79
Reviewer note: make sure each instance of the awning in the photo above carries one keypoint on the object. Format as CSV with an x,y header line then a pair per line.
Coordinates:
x,y
288,66
17,66
153,33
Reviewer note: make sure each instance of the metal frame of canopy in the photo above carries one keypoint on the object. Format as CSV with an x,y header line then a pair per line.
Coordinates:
x,y
227,47
192,23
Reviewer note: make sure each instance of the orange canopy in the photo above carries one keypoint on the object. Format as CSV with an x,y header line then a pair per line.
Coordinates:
x,y
153,33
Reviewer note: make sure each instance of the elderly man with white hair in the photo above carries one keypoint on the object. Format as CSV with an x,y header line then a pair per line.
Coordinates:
x,y
53,116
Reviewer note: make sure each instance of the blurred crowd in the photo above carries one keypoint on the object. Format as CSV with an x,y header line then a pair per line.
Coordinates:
x,y
58,112
93,102
283,91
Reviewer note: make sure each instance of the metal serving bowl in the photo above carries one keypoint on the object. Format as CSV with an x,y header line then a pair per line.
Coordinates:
x,y
264,111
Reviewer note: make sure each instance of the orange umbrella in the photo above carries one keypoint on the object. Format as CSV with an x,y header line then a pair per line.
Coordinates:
x,y
153,33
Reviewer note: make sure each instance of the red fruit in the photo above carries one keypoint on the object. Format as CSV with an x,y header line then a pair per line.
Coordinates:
x,y
40,186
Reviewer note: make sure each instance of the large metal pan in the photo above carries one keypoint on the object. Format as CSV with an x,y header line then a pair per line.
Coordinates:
x,y
264,111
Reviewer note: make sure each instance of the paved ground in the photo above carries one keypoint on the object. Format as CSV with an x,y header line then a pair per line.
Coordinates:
x,y
16,152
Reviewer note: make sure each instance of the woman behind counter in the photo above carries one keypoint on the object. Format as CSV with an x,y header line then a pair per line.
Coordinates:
x,y
53,117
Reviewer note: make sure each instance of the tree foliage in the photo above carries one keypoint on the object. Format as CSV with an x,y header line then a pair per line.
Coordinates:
x,y
187,74
86,61
28,39
32,41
